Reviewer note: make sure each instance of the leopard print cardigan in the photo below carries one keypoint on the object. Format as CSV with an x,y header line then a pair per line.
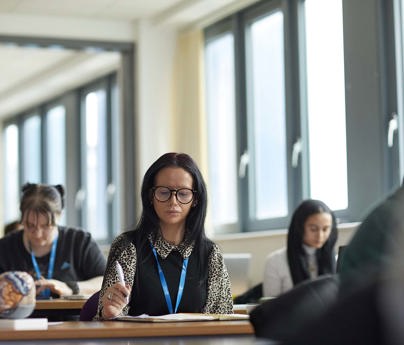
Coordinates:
x,y
219,298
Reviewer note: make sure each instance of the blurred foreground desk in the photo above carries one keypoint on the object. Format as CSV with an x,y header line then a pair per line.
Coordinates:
x,y
121,329
60,304
69,310
58,309
207,340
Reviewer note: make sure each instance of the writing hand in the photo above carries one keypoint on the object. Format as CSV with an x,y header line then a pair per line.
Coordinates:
x,y
115,298
56,287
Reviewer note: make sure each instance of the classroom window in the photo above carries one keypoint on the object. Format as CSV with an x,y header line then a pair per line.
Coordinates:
x,y
326,102
64,143
221,127
56,145
95,154
31,149
395,129
286,117
266,117
11,197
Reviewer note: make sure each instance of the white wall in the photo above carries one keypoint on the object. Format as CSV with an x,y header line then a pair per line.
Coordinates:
x,y
168,79
155,52
66,28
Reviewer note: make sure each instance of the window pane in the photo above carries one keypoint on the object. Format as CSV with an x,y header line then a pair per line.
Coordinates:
x,y
95,164
113,187
56,146
400,91
221,129
11,175
32,150
326,102
266,116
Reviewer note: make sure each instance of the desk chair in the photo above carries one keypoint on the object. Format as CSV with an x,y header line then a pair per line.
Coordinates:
x,y
252,295
279,318
89,309
341,250
355,319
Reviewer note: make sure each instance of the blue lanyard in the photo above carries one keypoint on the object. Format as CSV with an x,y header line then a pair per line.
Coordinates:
x,y
46,292
164,283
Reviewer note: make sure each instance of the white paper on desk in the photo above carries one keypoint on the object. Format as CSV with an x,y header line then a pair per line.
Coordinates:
x,y
168,317
24,324
183,317
75,297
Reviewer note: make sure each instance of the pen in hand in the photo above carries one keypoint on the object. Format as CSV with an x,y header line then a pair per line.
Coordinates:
x,y
120,273
121,276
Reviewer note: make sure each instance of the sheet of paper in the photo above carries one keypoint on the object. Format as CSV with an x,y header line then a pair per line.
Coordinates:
x,y
75,297
179,317
24,324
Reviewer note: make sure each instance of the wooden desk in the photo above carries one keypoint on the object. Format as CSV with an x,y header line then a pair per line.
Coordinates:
x,y
60,304
243,308
122,329
58,309
61,307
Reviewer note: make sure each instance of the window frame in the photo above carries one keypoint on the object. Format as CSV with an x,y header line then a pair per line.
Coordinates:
x,y
74,216
127,114
370,100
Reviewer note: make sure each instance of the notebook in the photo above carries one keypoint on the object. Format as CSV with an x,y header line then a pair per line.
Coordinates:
x,y
238,266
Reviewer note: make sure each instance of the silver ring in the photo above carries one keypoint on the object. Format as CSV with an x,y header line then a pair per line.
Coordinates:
x,y
109,296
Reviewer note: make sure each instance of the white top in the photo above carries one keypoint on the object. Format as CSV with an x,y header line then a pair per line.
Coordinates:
x,y
277,278
311,261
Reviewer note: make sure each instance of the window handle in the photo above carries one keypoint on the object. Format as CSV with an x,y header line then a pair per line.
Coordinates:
x,y
110,192
296,151
79,200
244,160
393,127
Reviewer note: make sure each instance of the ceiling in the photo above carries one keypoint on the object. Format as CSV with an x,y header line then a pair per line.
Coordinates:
x,y
110,9
32,68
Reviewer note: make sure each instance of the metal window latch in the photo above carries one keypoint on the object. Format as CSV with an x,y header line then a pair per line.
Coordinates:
x,y
392,128
244,160
79,200
110,192
296,151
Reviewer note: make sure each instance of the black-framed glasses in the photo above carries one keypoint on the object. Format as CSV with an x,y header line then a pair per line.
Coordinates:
x,y
183,195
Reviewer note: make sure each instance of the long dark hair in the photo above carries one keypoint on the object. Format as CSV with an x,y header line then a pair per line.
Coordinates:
x,y
295,252
195,222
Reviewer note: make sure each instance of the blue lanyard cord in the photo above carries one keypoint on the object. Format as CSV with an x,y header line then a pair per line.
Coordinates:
x,y
164,283
46,292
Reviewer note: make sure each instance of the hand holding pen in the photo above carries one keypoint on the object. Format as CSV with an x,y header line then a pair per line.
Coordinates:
x,y
121,277
116,297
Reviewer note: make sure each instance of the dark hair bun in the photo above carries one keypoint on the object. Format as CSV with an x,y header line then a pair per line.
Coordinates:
x,y
28,187
60,189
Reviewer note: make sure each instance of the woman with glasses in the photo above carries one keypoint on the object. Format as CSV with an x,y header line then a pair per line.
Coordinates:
x,y
309,253
168,264
62,260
